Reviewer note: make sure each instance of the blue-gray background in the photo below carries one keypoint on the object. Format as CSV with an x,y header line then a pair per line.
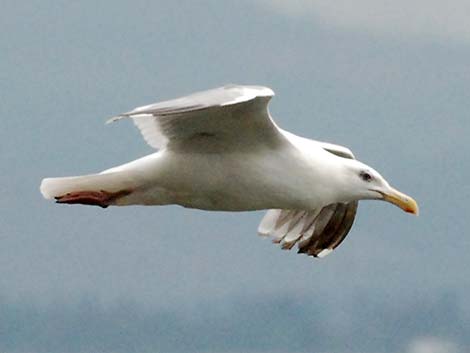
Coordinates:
x,y
390,81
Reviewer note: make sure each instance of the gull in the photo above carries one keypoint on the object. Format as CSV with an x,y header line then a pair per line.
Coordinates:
x,y
220,150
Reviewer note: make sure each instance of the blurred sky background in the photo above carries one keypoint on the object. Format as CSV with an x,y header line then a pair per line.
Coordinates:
x,y
390,80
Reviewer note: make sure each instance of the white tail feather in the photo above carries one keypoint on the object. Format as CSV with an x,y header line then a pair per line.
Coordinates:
x,y
110,182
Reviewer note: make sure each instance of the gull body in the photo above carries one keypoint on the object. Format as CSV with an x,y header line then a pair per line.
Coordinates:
x,y
240,181
220,150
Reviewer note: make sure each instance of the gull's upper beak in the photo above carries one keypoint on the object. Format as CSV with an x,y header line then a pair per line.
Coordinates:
x,y
405,202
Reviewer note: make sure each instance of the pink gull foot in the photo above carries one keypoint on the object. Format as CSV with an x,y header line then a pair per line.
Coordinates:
x,y
95,198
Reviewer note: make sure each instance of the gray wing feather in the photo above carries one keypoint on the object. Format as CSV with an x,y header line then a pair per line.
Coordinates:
x,y
338,150
232,111
325,231
334,232
217,97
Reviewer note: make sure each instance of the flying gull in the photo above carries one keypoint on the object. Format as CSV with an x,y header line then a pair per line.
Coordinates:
x,y
220,150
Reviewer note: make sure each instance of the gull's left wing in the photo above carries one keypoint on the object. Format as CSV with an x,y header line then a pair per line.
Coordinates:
x,y
232,116
338,150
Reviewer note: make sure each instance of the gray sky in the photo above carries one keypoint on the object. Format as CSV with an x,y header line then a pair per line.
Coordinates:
x,y
391,85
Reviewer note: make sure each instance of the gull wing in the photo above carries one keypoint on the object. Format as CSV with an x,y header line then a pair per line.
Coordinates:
x,y
316,232
230,115
338,150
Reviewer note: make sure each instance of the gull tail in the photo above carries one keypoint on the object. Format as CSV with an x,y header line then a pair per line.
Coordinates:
x,y
95,189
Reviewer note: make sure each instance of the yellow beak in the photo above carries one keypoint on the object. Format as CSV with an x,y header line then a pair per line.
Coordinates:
x,y
405,202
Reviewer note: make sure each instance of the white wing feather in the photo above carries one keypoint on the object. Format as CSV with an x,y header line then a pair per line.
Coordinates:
x,y
315,232
232,110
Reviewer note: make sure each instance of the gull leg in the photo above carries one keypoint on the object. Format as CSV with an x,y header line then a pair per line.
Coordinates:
x,y
94,198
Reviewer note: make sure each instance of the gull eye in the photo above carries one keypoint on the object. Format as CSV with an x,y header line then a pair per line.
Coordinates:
x,y
366,176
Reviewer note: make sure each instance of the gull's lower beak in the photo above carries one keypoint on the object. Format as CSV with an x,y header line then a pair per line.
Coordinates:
x,y
405,202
